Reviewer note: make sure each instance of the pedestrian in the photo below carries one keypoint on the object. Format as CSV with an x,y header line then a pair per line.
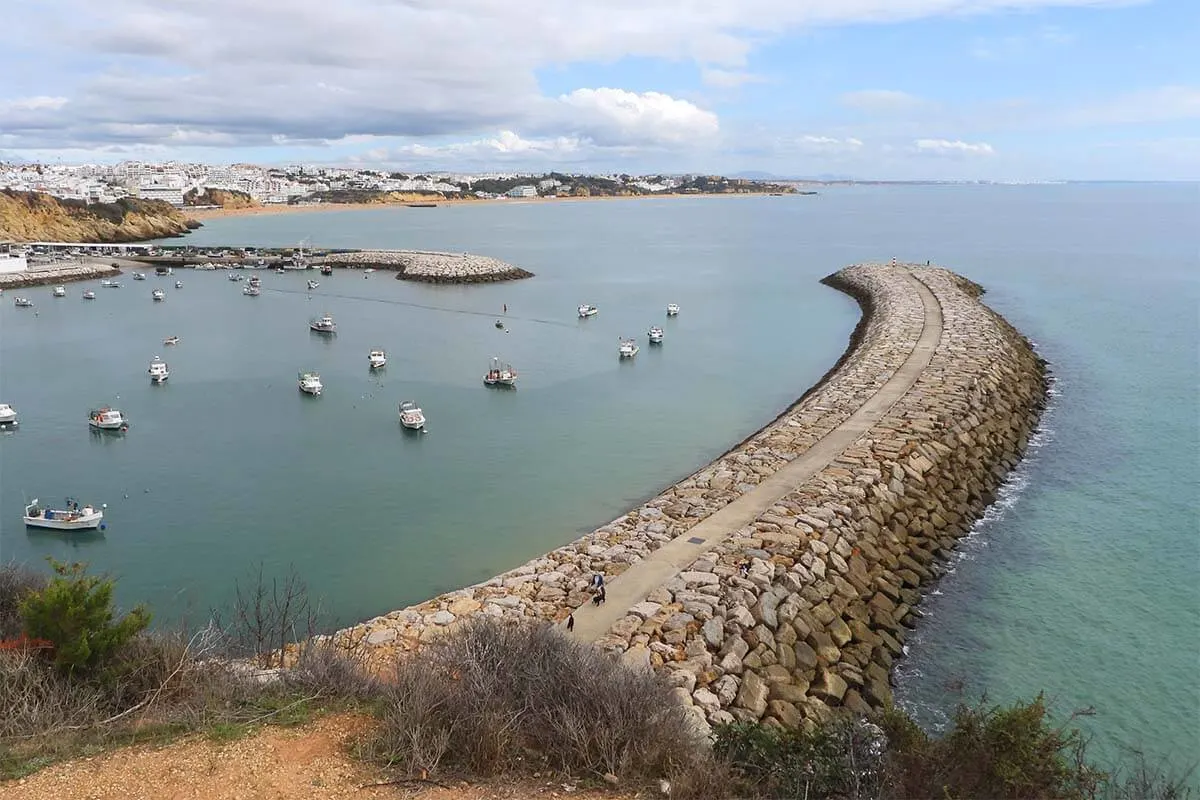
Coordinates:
x,y
745,568
597,581
506,308
596,599
570,623
601,595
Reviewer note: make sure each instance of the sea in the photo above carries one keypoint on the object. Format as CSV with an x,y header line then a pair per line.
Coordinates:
x,y
1082,581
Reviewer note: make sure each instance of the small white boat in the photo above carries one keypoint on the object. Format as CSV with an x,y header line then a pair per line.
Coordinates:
x,y
158,371
377,359
60,291
139,276
74,518
628,348
255,281
655,334
171,340
158,295
672,309
500,374
107,284
178,284
310,383
251,291
8,414
280,271
586,310
313,284
324,324
107,419
89,295
233,276
22,302
411,416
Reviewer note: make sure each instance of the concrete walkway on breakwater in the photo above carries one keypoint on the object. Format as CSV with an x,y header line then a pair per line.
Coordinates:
x,y
635,584
43,276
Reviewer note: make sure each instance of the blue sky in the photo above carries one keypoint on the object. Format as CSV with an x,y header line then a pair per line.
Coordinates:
x,y
873,89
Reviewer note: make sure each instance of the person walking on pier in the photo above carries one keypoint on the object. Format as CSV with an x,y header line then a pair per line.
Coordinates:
x,y
570,622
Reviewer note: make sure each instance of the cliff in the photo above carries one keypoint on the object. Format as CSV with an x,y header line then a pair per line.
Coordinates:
x,y
37,217
224,198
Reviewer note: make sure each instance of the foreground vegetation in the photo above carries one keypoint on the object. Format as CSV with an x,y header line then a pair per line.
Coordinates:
x,y
486,700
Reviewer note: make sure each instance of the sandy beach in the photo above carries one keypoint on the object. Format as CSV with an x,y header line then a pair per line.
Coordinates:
x,y
280,208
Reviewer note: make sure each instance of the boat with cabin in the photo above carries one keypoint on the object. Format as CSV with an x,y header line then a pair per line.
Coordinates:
x,y
22,302
88,294
500,374
326,269
8,414
411,415
586,311
377,359
655,335
139,276
171,340
161,271
672,309
178,284
73,518
107,284
255,281
158,371
627,348
60,291
313,284
251,291
233,276
324,324
158,295
107,419
310,383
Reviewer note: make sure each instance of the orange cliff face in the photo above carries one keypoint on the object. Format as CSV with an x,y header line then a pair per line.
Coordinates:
x,y
39,217
223,198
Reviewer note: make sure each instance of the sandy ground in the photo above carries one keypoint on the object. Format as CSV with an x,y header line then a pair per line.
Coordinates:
x,y
310,761
215,213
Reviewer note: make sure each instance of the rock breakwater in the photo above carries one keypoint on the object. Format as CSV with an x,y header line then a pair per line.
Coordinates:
x,y
44,277
803,607
431,267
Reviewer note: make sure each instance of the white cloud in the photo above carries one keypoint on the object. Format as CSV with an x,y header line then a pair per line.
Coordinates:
x,y
882,101
38,103
505,146
618,117
728,79
945,147
1163,104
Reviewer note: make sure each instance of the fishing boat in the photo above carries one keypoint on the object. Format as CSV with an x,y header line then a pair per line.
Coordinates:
x,y
280,271
411,415
73,518
8,414
586,310
60,291
627,348
110,284
313,284
178,284
251,291
672,309
160,271
324,324
655,335
310,383
326,270
139,276
377,359
158,295
255,281
107,419
500,374
22,302
158,371
171,340
500,324
233,276
89,295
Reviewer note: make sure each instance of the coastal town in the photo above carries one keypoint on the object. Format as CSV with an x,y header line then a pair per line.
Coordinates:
x,y
199,185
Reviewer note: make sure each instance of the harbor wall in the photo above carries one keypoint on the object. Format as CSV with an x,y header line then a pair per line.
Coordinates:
x,y
55,275
806,608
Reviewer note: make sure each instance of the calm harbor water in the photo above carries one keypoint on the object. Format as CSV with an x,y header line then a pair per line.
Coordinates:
x,y
1085,582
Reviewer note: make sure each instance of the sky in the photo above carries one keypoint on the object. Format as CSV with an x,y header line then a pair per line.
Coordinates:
x,y
868,89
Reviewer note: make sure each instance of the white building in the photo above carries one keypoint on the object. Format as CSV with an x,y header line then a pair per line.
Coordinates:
x,y
523,191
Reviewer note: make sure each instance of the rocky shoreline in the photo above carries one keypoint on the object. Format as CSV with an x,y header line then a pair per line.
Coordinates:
x,y
430,267
45,277
806,608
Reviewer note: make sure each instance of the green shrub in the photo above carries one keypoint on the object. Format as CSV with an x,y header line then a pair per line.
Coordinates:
x,y
75,612
16,581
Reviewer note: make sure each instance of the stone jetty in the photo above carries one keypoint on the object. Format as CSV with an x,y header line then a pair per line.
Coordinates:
x,y
53,275
778,583
429,266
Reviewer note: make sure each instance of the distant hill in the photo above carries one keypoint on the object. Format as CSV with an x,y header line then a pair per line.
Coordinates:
x,y
39,217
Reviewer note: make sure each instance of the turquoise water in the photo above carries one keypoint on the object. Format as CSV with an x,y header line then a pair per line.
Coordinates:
x,y
1085,583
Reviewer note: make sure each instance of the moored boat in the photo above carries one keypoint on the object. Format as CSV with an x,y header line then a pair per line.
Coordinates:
x,y
627,348
500,374
171,340
377,359
22,302
73,518
60,291
89,295
178,284
310,383
255,281
158,371
313,284
107,284
324,324
586,310
158,295
655,335
251,291
107,419
8,414
233,276
139,276
326,270
411,415
672,309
